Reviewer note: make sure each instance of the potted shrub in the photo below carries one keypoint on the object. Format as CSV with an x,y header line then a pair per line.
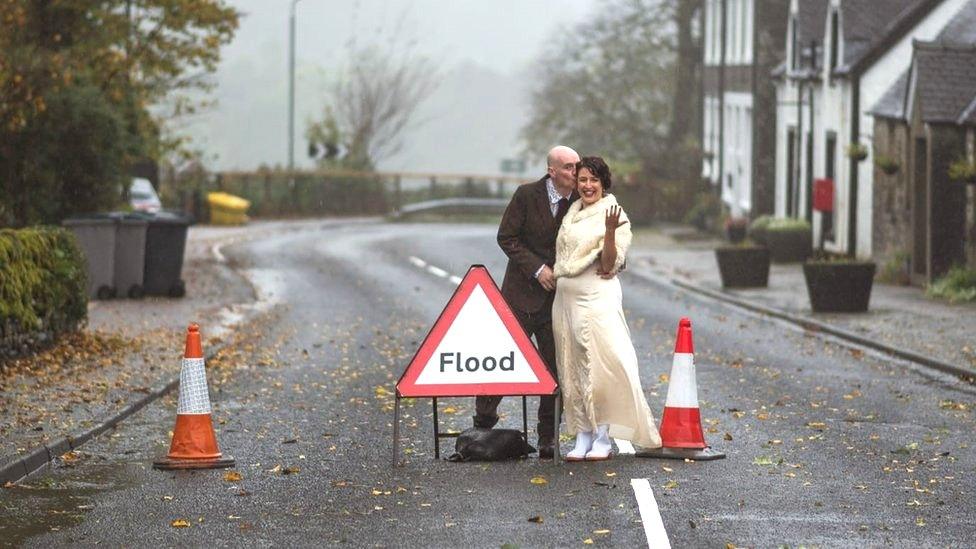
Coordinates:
x,y
857,152
789,240
963,171
887,164
839,284
744,265
757,229
735,229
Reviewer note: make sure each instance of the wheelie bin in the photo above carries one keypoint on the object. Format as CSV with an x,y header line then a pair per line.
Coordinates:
x,y
96,236
130,253
165,245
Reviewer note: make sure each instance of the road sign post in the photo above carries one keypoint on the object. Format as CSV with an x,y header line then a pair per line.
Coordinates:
x,y
475,348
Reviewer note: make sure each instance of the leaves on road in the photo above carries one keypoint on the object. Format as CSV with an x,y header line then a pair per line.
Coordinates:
x,y
539,480
180,523
233,476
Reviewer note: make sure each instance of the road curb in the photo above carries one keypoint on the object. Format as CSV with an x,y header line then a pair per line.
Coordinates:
x,y
966,374
24,466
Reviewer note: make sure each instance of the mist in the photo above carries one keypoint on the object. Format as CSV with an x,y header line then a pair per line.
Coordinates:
x,y
484,50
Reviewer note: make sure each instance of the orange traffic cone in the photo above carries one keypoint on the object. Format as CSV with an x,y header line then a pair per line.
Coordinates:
x,y
194,443
681,431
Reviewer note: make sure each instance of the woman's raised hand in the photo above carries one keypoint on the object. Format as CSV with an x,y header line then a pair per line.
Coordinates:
x,y
613,218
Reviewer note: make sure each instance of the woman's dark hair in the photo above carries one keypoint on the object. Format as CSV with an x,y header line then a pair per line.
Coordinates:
x,y
597,167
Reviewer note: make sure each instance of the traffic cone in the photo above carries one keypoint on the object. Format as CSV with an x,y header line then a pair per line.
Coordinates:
x,y
681,431
194,444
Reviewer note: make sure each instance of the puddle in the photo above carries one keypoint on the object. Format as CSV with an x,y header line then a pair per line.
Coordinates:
x,y
60,498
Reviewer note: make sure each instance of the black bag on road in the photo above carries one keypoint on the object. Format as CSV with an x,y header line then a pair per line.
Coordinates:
x,y
479,444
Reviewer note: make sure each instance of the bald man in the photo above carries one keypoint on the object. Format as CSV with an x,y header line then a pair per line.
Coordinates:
x,y
527,235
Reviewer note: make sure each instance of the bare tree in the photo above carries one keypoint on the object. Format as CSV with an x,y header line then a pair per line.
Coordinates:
x,y
369,108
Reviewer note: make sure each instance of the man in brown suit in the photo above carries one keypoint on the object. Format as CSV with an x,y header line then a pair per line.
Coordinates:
x,y
527,235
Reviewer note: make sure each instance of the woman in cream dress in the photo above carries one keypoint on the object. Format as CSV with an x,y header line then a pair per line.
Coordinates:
x,y
597,364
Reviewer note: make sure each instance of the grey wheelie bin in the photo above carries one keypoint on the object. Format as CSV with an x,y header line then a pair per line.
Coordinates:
x,y
96,238
130,254
165,244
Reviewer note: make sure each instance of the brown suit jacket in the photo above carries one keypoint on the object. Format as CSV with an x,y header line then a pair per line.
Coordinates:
x,y
527,235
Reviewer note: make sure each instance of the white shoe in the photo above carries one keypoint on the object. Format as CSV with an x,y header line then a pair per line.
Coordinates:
x,y
602,447
584,439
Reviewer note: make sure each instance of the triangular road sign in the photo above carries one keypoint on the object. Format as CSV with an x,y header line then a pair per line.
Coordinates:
x,y
476,347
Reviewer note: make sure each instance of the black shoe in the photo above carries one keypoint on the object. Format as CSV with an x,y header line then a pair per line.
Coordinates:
x,y
547,448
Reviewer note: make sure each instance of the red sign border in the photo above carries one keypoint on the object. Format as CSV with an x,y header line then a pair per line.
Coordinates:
x,y
477,275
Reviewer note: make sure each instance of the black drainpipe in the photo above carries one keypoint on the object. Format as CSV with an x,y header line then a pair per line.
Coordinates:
x,y
855,138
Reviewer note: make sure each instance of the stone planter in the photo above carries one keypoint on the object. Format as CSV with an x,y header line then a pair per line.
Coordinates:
x,y
743,267
839,287
789,246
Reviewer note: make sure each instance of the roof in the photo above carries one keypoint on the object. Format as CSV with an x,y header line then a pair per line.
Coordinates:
x,y
811,19
892,103
946,82
871,27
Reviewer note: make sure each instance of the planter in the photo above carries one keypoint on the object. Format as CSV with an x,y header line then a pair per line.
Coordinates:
x,y
841,287
789,246
743,267
735,233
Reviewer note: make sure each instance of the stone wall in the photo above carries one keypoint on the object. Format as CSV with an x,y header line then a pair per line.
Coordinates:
x,y
892,223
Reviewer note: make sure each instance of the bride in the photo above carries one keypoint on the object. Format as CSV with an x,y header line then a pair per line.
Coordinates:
x,y
595,357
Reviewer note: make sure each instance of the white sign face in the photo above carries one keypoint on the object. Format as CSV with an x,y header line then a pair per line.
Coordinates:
x,y
477,349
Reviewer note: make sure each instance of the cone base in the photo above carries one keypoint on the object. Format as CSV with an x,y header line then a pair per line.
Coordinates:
x,y
170,464
703,454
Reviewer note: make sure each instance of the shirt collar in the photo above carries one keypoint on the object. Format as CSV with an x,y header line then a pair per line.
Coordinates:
x,y
554,196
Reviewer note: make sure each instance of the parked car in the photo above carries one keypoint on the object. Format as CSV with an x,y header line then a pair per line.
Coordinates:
x,y
143,197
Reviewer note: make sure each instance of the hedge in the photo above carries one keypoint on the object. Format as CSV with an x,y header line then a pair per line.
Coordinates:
x,y
43,286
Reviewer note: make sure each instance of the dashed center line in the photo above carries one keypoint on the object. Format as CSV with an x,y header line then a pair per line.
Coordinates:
x,y
436,271
657,536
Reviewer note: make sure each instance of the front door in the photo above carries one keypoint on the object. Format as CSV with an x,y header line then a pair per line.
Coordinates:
x,y
920,213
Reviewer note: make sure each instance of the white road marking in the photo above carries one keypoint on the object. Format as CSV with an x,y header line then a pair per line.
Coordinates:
x,y
455,279
436,271
624,446
657,536
418,262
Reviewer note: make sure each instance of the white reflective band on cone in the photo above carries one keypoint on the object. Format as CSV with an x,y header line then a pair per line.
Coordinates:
x,y
194,398
682,389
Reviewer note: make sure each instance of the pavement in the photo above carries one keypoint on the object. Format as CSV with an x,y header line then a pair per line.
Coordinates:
x,y
128,353
130,350
900,318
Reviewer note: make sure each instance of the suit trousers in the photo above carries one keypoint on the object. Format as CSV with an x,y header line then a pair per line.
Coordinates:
x,y
538,324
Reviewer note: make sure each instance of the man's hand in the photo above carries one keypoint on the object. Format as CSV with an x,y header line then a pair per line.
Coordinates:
x,y
547,279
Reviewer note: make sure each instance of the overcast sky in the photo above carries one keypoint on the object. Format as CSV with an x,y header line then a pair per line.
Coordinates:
x,y
491,43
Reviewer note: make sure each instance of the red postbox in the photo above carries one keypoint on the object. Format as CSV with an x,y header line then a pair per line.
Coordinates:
x,y
823,195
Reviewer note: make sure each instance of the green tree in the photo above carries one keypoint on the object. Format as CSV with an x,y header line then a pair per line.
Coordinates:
x,y
123,56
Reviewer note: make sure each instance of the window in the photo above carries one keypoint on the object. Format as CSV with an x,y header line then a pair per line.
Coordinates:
x,y
730,31
834,39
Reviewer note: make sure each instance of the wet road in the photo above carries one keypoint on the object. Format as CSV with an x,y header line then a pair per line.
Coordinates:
x,y
827,445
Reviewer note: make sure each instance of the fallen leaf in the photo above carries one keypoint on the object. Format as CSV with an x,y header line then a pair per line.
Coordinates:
x,y
539,480
536,519
233,476
667,469
671,484
180,523
611,474
663,378
588,541
818,425
450,410
290,470
601,531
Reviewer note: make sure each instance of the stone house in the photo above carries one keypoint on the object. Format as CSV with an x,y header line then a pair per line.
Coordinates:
x,y
742,45
923,124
